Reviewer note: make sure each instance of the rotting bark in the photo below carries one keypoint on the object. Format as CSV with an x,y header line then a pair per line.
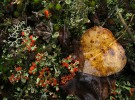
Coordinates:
x,y
88,87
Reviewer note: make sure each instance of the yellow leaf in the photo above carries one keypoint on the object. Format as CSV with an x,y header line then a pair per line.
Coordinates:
x,y
103,55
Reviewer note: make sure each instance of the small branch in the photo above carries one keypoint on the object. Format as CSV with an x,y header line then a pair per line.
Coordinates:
x,y
25,5
109,16
125,25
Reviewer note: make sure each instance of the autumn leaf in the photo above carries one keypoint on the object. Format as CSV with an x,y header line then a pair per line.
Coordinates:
x,y
103,55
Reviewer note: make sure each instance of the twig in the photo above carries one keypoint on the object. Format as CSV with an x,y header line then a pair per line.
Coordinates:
x,y
108,17
125,25
131,19
124,30
25,5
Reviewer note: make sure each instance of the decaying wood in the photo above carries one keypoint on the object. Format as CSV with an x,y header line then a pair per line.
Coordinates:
x,y
89,87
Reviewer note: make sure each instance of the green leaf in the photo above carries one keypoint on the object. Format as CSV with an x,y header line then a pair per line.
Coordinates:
x,y
4,98
23,80
58,6
50,5
18,89
67,1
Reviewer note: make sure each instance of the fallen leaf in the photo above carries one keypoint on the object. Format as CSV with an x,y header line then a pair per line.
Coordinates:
x,y
103,55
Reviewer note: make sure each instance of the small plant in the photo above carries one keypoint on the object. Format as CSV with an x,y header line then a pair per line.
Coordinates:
x,y
38,67
122,90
